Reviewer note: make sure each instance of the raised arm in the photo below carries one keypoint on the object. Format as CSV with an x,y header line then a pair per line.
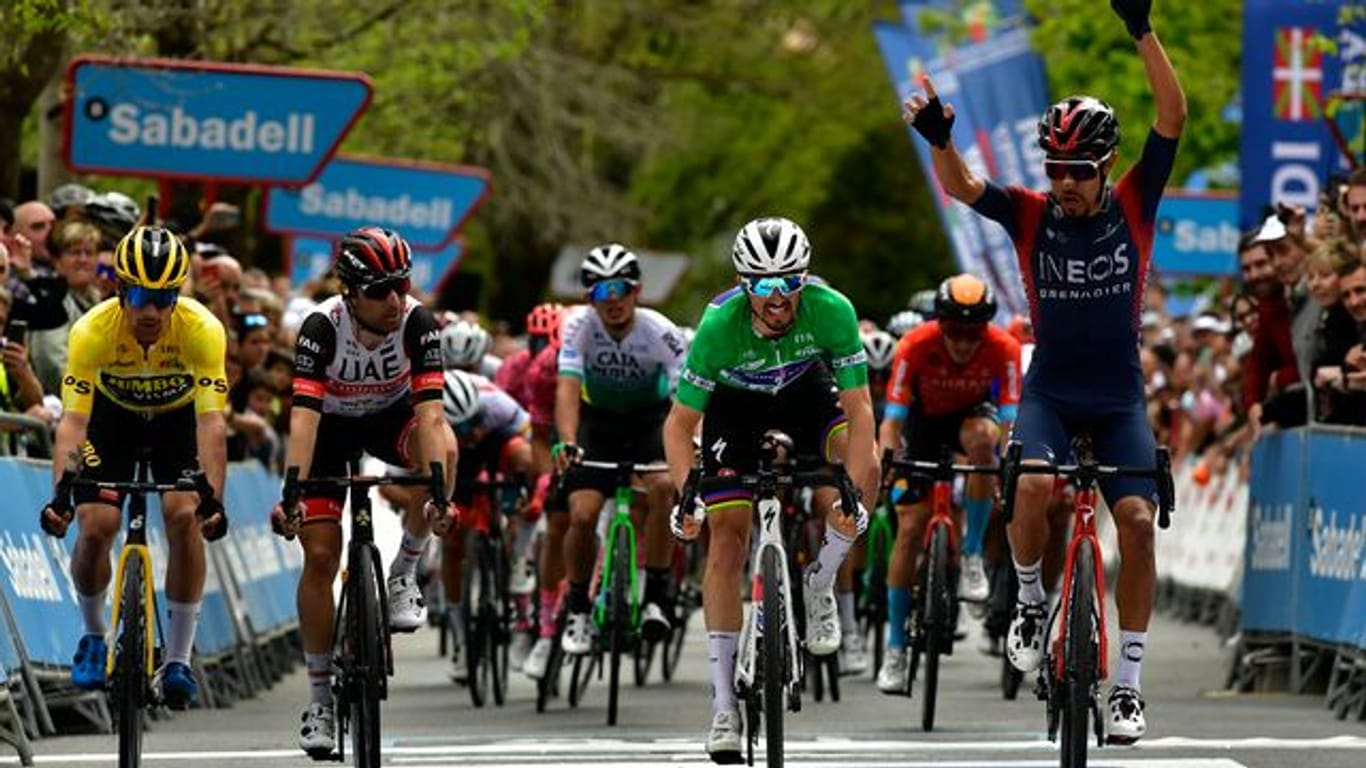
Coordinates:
x,y
933,119
1162,80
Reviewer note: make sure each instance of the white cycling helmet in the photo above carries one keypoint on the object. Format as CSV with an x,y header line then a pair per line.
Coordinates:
x,y
464,344
460,397
904,322
607,262
771,246
879,346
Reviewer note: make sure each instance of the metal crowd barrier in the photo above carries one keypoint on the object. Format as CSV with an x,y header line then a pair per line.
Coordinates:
x,y
247,636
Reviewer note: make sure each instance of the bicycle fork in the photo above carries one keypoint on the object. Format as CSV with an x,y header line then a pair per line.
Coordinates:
x,y
752,632
149,622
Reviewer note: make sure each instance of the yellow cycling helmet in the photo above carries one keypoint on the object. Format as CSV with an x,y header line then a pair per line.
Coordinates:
x,y
151,257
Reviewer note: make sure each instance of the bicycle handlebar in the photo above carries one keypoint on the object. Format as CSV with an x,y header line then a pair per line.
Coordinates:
x,y
295,487
1090,471
767,482
636,469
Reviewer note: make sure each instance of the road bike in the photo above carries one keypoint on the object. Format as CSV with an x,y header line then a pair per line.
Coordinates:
x,y
362,655
487,603
768,667
873,599
1075,661
934,610
133,657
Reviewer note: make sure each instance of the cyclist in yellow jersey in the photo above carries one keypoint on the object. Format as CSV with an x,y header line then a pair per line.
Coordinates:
x,y
145,370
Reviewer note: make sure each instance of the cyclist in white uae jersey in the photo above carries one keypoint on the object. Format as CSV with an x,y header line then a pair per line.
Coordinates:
x,y
617,366
367,378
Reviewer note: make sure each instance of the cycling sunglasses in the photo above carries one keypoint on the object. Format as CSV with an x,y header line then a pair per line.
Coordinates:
x,y
1079,170
138,297
381,289
608,290
963,331
763,287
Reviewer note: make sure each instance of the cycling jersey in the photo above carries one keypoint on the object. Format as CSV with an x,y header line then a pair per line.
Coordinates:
x,y
926,377
512,376
186,364
542,377
1084,278
498,411
728,351
637,371
336,374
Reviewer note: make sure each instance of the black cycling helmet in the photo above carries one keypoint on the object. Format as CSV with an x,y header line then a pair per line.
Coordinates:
x,y
372,254
1079,126
966,299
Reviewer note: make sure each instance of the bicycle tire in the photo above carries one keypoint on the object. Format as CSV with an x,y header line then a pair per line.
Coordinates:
x,y
1080,663
130,676
937,619
877,614
816,676
618,616
581,673
370,661
477,639
644,658
775,658
498,610
672,651
549,684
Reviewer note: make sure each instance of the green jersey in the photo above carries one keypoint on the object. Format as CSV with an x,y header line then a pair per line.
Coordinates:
x,y
728,351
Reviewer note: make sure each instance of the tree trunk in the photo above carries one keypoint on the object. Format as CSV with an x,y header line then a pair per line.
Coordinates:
x,y
19,89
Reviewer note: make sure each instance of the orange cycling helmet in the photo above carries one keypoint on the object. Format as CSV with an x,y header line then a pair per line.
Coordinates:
x,y
544,319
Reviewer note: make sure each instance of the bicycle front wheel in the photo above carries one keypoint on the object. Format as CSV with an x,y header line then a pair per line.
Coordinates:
x,y
937,618
368,658
775,670
618,616
1079,668
130,662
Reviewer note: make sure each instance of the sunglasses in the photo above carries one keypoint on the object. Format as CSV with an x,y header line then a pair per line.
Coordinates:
x,y
764,287
254,321
138,297
611,289
380,291
963,331
1079,170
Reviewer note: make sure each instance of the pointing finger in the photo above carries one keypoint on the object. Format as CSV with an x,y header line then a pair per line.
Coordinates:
x,y
929,87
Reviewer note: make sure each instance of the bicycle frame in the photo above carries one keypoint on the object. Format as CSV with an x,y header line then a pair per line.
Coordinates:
x,y
1083,531
135,546
622,524
769,510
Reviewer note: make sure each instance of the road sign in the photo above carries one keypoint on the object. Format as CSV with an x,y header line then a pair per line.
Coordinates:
x,y
310,257
208,120
424,202
1197,234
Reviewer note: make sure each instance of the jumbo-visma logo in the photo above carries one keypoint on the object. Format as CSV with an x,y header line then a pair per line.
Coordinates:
x,y
147,391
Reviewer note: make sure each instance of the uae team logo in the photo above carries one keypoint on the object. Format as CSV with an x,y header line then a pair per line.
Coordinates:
x,y
1297,75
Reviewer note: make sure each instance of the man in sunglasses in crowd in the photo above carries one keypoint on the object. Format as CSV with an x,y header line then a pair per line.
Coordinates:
x,y
1084,250
943,378
144,370
777,352
367,378
618,364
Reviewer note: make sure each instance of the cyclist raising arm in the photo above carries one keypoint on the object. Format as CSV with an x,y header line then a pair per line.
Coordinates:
x,y
1084,252
368,378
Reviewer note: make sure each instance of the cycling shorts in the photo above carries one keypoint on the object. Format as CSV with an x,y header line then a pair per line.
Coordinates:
x,y
341,441
112,444
807,410
927,435
1122,436
635,436
491,455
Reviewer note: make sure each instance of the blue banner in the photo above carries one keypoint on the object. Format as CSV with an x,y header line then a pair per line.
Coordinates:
x,y
1196,234
425,202
1287,148
311,257
207,120
1268,601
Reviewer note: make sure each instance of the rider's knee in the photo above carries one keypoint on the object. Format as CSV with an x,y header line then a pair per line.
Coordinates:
x,y
97,529
1032,495
1134,524
979,438
181,523
321,560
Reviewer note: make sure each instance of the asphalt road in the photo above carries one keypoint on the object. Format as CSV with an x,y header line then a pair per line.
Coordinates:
x,y
429,721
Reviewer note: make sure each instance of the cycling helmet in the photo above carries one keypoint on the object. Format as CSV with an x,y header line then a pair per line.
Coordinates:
x,y
372,254
965,298
67,196
607,262
114,209
460,396
879,346
543,319
922,303
771,246
151,257
464,344
1079,126
904,322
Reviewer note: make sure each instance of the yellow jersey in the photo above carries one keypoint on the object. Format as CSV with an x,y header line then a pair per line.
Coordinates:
x,y
186,363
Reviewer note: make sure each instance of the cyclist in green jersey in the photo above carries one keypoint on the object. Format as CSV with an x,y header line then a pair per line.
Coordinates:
x,y
777,352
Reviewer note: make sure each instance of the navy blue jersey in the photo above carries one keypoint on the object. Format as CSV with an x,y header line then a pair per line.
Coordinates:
x,y
1084,278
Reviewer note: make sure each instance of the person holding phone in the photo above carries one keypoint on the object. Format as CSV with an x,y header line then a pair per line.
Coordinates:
x,y
20,391
76,247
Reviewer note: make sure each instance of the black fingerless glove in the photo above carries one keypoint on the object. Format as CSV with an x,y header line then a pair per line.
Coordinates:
x,y
932,123
1135,14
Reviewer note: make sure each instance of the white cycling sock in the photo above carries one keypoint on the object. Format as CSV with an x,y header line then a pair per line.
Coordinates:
x,y
1132,646
821,575
721,647
1031,582
180,634
92,612
319,678
409,552
848,622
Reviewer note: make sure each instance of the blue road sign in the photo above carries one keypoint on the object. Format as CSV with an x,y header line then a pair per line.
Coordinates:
x,y
310,257
206,120
424,202
1197,234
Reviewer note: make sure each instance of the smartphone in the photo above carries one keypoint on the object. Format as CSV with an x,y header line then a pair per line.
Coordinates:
x,y
17,331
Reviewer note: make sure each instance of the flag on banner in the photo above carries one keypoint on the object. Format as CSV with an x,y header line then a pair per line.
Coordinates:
x,y
1297,75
